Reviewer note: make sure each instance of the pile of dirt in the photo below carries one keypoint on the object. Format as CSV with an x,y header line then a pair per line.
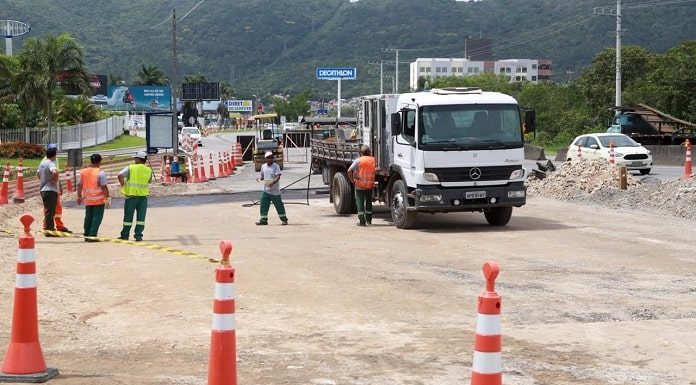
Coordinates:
x,y
162,190
595,181
10,213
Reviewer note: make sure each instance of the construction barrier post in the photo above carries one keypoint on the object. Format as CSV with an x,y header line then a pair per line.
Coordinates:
x,y
5,185
68,181
688,171
222,367
19,188
487,367
623,178
579,152
24,360
611,152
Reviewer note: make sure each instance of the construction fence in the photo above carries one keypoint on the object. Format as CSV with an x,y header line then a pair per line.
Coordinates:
x,y
69,137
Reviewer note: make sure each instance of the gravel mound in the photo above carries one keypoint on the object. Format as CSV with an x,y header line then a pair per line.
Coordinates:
x,y
595,181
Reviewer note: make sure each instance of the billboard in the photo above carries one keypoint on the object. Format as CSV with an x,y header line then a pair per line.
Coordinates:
x,y
336,73
239,105
139,98
200,91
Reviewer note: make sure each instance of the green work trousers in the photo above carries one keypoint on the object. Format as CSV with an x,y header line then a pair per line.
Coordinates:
x,y
277,201
133,204
93,219
363,201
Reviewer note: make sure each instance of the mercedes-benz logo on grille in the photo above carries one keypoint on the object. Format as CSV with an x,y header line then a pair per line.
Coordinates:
x,y
475,173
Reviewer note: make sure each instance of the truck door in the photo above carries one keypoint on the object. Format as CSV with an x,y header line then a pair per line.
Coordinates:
x,y
405,146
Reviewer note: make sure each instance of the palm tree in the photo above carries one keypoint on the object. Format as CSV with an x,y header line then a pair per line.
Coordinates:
x,y
150,75
76,111
195,78
9,67
47,63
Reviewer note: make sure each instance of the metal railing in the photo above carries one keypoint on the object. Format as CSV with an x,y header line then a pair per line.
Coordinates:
x,y
69,137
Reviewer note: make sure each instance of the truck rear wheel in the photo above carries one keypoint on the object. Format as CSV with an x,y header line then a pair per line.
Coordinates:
x,y
402,217
342,197
498,216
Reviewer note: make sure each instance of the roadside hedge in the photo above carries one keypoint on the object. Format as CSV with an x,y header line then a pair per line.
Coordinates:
x,y
21,150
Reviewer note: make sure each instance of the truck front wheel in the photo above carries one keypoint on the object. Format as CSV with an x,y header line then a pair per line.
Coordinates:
x,y
498,216
342,197
402,217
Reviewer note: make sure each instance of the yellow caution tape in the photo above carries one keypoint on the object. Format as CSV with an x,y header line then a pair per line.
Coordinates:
x,y
146,245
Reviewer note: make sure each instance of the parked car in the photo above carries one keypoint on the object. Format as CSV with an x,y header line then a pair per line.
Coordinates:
x,y
193,132
627,152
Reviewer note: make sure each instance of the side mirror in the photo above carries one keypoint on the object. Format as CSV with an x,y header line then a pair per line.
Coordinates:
x,y
594,147
395,124
529,121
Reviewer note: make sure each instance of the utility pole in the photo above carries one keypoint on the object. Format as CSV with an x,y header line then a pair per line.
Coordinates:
x,y
609,11
396,69
175,80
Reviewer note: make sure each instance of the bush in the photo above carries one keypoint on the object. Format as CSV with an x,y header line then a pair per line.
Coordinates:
x,y
21,150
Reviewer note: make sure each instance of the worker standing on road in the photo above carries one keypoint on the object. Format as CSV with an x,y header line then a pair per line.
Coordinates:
x,y
58,216
49,188
134,181
92,189
362,174
270,175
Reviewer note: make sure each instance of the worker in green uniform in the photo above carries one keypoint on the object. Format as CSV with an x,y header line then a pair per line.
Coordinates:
x,y
134,181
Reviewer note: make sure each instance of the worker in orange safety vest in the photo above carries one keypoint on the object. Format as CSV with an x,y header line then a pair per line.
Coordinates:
x,y
92,190
362,174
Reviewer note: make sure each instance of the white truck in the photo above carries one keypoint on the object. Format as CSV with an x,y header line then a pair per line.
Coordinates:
x,y
437,151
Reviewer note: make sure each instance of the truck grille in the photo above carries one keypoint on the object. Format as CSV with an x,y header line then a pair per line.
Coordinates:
x,y
635,156
464,174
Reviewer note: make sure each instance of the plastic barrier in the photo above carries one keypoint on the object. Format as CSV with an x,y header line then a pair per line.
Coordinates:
x,y
487,368
222,366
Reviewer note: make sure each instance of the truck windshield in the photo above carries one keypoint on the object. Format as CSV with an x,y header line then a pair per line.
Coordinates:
x,y
470,126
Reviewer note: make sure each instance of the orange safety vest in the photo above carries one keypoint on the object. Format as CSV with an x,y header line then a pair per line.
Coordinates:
x,y
365,175
92,193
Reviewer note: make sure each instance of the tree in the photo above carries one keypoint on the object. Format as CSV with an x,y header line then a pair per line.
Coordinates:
x,y
226,91
150,75
195,78
9,67
76,111
486,81
672,85
45,62
10,116
294,106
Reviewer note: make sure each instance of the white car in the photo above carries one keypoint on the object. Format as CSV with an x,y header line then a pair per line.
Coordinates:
x,y
193,132
627,152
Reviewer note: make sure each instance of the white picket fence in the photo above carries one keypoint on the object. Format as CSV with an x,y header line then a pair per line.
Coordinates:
x,y
69,137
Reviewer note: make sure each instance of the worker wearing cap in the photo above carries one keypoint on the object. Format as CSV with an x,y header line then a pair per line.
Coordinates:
x,y
92,190
134,181
270,175
362,174
58,216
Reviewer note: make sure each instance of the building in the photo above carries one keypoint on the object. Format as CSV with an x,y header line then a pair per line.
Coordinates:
x,y
516,70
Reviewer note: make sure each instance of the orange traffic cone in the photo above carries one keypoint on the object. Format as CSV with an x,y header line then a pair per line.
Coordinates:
x,y
201,172
5,185
222,367
69,181
687,162
238,149
19,188
228,163
221,166
194,166
211,166
487,368
24,360
166,172
230,159
611,152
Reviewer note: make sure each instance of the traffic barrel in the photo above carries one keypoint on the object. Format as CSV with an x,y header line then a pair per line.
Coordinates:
x,y
201,171
24,360
238,150
69,181
611,152
487,368
222,366
211,166
4,191
19,188
687,162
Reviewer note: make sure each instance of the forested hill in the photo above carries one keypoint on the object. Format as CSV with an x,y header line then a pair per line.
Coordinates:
x,y
275,46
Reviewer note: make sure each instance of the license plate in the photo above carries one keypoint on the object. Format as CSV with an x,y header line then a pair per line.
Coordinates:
x,y
636,163
475,195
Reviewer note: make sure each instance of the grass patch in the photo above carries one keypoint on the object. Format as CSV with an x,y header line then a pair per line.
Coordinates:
x,y
123,141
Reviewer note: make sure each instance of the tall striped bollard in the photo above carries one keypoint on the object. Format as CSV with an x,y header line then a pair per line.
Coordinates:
x,y
19,188
487,367
5,185
222,367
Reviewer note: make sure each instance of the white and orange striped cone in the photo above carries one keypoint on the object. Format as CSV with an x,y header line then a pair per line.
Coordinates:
x,y
69,181
688,171
221,166
228,163
240,157
222,367
611,152
487,367
5,185
24,360
211,166
166,172
194,165
230,159
19,188
579,152
201,170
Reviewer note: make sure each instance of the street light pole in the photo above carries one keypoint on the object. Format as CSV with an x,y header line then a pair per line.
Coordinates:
x,y
175,80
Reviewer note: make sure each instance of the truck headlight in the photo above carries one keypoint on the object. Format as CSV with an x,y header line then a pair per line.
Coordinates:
x,y
517,174
517,194
431,177
430,198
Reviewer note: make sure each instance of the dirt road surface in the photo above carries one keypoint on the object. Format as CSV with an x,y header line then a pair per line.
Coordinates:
x,y
589,296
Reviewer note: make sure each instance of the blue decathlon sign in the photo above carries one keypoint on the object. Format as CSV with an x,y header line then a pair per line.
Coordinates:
x,y
336,73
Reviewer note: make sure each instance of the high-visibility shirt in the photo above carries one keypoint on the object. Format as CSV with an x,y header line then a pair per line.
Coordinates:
x,y
365,175
137,181
92,193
